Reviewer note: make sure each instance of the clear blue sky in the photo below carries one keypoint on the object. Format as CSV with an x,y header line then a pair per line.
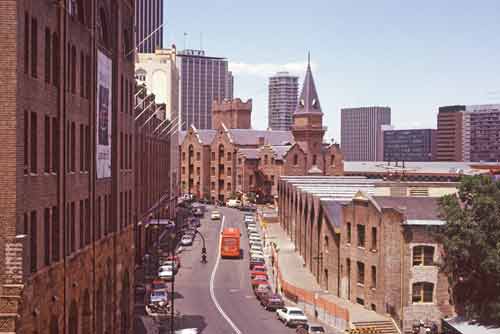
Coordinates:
x,y
410,55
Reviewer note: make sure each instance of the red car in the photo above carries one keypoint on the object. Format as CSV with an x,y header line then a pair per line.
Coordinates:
x,y
258,270
254,274
259,279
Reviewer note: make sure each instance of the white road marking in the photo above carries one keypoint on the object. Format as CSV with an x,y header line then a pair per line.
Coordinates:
x,y
212,280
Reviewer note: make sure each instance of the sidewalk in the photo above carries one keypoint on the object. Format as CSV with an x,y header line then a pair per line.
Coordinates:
x,y
298,284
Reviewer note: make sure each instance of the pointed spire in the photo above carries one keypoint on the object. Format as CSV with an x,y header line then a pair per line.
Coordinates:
x,y
308,101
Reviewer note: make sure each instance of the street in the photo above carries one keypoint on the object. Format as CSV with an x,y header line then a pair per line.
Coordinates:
x,y
231,307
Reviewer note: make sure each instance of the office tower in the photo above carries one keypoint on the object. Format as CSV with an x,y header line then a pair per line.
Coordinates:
x,y
481,133
361,132
202,80
230,85
148,19
409,145
282,100
449,133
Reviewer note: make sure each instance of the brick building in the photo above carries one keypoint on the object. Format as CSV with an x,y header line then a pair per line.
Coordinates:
x,y
449,133
217,163
68,209
376,251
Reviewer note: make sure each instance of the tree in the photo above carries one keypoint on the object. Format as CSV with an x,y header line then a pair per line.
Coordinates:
x,y
471,241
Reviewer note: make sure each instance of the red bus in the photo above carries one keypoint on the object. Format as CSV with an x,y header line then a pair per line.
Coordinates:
x,y
230,243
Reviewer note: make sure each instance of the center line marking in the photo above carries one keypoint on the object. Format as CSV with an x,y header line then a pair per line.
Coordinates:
x,y
212,280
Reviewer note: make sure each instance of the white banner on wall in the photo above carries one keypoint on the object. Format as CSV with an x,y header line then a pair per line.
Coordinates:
x,y
103,117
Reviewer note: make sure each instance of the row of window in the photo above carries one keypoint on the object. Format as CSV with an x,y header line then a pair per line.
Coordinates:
x,y
126,146
361,236
78,232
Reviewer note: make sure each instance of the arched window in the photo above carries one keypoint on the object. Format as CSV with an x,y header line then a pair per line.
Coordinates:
x,y
265,159
314,159
140,74
295,159
422,292
332,160
423,256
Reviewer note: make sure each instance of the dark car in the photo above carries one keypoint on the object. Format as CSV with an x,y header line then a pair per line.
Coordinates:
x,y
256,261
261,290
310,329
198,212
272,301
194,222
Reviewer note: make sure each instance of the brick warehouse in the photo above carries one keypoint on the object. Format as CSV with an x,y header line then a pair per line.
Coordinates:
x,y
233,158
68,209
368,247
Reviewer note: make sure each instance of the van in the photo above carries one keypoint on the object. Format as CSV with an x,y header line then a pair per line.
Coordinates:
x,y
230,243
233,203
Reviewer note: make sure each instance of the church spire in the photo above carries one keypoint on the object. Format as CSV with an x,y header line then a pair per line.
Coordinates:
x,y
309,101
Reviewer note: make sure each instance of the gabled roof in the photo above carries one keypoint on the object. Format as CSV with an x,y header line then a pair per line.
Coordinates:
x,y
414,208
249,153
309,100
205,137
280,151
247,137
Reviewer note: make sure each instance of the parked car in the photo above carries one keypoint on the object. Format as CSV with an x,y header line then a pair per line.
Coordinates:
x,y
291,316
254,238
158,296
258,270
256,261
248,219
171,263
272,301
194,222
233,203
248,207
261,290
166,273
310,329
176,259
197,212
259,279
215,215
255,247
252,228
255,243
187,240
255,253
158,285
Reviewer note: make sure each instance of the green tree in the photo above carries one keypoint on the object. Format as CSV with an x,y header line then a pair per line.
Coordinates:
x,y
471,241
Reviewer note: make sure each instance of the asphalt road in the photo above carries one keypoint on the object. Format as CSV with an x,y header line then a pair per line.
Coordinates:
x,y
231,287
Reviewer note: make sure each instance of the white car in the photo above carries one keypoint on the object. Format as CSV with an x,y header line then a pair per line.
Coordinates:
x,y
249,219
166,273
233,203
215,215
256,253
187,240
291,316
251,225
254,238
255,247
254,234
255,243
158,296
252,229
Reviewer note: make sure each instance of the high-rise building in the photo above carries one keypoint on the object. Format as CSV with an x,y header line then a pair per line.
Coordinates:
x,y
160,74
203,79
409,145
148,21
449,133
361,132
282,100
481,133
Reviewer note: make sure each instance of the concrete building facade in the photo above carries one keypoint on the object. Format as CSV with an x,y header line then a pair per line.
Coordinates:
x,y
282,100
449,133
409,145
361,132
203,79
68,204
481,133
148,22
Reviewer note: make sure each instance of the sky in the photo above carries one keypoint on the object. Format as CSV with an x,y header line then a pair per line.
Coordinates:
x,y
412,56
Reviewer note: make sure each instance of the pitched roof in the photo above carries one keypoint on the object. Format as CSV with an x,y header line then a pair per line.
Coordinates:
x,y
206,136
414,208
280,151
249,153
251,137
309,100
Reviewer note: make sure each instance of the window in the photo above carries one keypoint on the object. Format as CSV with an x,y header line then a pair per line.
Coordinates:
x,y
34,47
213,185
46,236
87,148
422,292
82,219
213,171
26,140
55,60
26,42
184,156
105,215
55,234
48,59
229,173
361,235
250,180
33,143
121,150
239,180
228,186
198,156
374,277
98,220
360,301
47,145
272,179
332,160
349,233
198,170
239,161
73,147
121,210
374,238
82,150
122,92
265,159
72,241
88,81
73,69
295,159
33,241
229,156
314,159
55,145
327,241
423,256
213,156
82,75
361,272
183,170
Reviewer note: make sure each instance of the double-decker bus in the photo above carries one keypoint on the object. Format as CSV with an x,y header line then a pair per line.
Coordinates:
x,y
230,243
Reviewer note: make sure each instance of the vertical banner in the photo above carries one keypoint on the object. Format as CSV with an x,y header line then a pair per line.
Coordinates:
x,y
103,117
